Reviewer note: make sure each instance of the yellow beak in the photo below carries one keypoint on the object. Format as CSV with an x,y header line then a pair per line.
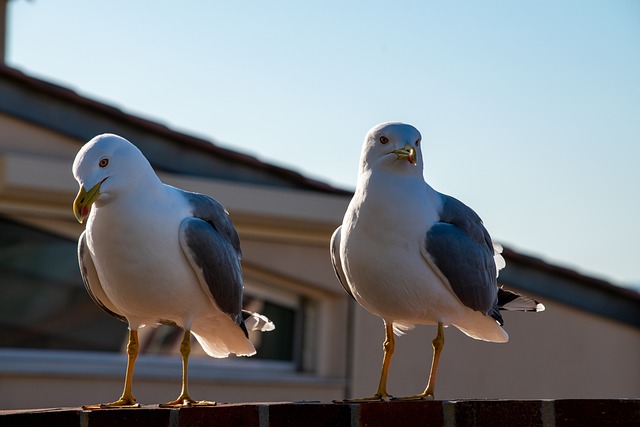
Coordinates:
x,y
84,200
408,152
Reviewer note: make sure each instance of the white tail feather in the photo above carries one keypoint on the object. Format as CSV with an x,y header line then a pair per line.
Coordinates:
x,y
497,257
258,322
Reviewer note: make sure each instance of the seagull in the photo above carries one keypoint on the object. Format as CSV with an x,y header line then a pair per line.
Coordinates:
x,y
155,254
412,255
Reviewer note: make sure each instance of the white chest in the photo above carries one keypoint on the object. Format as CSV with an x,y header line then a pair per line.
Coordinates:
x,y
140,263
385,268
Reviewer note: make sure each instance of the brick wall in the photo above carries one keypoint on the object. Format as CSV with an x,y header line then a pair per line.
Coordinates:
x,y
494,413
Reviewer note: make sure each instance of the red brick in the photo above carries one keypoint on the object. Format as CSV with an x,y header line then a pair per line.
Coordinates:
x,y
497,413
40,417
400,413
309,415
494,413
148,416
597,412
236,415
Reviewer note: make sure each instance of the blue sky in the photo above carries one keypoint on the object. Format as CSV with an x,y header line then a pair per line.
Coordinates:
x,y
529,110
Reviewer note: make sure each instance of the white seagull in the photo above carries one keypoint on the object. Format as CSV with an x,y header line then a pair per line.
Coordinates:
x,y
154,254
412,255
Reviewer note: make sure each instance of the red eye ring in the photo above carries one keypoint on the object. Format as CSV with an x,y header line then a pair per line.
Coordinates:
x,y
384,139
103,162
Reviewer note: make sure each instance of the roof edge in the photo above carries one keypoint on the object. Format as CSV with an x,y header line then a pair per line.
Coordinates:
x,y
568,273
159,129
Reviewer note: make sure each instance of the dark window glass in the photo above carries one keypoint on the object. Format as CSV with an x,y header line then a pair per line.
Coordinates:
x,y
279,343
44,304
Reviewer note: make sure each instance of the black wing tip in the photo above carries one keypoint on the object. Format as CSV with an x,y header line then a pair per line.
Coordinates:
x,y
495,314
244,328
513,301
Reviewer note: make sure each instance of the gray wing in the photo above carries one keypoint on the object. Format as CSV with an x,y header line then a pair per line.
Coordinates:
x,y
336,260
462,249
91,280
212,246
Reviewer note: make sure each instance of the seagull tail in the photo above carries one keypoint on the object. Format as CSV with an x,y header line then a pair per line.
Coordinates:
x,y
512,301
257,322
481,327
498,258
500,336
219,337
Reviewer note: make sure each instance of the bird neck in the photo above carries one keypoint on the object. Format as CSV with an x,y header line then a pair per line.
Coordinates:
x,y
394,194
145,192
384,197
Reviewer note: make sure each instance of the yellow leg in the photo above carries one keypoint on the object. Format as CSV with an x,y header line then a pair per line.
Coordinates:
x,y
438,344
387,348
127,399
184,400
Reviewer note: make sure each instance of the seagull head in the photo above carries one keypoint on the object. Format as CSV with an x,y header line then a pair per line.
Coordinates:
x,y
393,145
106,167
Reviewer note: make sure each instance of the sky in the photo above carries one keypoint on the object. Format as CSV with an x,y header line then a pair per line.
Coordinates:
x,y
529,110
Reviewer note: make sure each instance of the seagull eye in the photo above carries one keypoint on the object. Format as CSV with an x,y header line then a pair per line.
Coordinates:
x,y
417,142
384,139
103,162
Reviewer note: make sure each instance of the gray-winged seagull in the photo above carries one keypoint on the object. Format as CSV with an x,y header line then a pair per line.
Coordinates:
x,y
412,255
154,254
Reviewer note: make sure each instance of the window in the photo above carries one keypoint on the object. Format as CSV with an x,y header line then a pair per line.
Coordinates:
x,y
44,305
277,345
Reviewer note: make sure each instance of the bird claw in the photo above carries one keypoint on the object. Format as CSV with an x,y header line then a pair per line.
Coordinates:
x,y
420,396
120,403
186,402
375,398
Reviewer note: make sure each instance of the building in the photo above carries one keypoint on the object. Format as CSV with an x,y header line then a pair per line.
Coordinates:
x,y
58,349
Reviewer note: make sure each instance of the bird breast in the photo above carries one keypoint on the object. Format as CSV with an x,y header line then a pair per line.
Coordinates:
x,y
384,266
140,262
